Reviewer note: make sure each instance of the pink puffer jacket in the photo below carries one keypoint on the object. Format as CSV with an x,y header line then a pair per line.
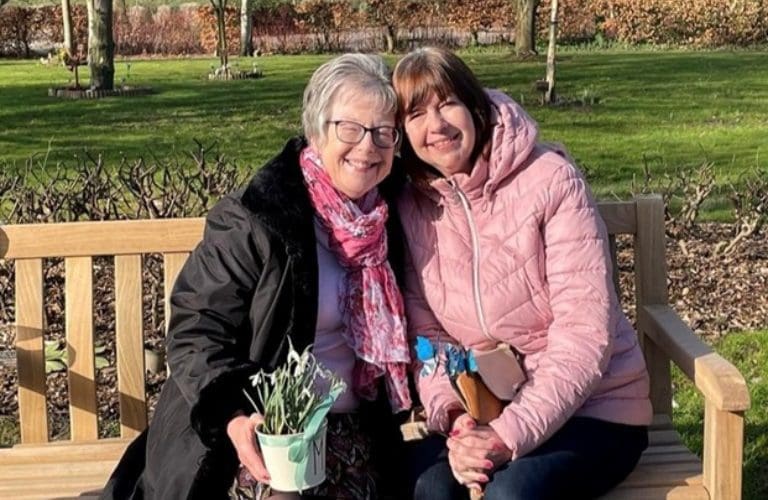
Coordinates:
x,y
517,252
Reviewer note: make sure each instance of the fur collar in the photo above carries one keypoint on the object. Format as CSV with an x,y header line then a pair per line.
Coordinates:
x,y
278,198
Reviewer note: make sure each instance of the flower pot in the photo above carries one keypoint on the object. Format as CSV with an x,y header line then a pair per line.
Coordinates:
x,y
294,463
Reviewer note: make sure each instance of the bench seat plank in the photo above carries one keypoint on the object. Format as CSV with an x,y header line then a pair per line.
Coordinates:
x,y
669,493
55,472
64,451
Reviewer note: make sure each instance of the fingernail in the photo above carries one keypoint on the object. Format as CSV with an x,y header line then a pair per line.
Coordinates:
x,y
488,464
454,433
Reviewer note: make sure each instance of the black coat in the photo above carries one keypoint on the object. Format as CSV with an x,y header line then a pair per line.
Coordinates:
x,y
250,284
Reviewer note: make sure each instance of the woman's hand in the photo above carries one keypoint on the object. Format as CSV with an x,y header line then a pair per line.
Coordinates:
x,y
242,432
474,452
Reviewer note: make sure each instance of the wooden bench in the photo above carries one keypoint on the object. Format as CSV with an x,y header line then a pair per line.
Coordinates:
x,y
78,467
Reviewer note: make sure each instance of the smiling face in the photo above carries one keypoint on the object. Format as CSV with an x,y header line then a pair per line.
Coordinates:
x,y
355,169
442,134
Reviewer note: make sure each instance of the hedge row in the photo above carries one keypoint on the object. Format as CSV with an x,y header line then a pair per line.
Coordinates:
x,y
323,25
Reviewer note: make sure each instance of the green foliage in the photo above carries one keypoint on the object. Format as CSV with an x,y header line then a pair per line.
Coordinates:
x,y
9,431
290,395
749,352
56,357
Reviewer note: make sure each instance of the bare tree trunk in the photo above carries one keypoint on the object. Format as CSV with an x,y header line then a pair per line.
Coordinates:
x,y
246,28
391,36
525,29
101,45
220,10
224,50
550,96
66,17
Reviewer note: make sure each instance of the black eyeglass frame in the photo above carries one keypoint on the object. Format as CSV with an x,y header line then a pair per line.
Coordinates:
x,y
365,130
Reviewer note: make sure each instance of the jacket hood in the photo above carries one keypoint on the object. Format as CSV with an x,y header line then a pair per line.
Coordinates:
x,y
513,138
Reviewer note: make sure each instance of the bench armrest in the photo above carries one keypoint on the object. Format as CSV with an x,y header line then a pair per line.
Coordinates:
x,y
718,380
725,392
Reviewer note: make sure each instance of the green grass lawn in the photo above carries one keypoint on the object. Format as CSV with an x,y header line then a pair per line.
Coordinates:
x,y
666,108
749,352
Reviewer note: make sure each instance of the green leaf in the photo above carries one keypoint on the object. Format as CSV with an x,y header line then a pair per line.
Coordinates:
x,y
101,362
54,365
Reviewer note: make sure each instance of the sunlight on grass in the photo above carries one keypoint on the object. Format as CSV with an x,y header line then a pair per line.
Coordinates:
x,y
749,352
667,109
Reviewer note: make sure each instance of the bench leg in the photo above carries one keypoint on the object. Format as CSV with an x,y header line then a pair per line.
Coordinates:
x,y
723,452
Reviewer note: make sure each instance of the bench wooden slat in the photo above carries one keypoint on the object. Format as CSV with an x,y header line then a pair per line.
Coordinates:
x,y
666,448
64,451
643,477
56,472
53,487
668,458
78,292
619,216
30,350
90,495
76,239
661,421
663,437
172,264
694,492
129,342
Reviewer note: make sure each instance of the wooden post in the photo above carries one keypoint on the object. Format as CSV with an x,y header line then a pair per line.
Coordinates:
x,y
723,452
651,288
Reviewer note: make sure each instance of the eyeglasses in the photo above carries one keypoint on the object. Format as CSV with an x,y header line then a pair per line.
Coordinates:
x,y
352,133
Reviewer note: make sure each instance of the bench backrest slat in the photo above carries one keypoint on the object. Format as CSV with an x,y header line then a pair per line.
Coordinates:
x,y
123,237
172,264
30,350
129,344
78,320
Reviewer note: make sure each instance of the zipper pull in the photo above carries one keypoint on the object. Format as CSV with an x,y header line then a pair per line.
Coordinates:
x,y
455,189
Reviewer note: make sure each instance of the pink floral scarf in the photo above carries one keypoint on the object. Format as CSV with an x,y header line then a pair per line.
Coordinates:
x,y
372,307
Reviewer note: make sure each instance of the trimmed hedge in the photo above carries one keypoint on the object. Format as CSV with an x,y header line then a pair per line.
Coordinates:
x,y
333,25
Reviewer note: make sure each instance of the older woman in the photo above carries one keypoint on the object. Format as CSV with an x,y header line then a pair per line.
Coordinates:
x,y
510,256
301,252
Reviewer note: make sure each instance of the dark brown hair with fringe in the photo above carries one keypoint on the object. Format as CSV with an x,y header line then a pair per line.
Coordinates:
x,y
433,70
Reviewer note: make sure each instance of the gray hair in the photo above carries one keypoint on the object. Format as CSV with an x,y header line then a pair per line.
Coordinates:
x,y
366,72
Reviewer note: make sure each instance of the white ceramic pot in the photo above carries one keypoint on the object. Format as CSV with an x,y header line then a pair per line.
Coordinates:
x,y
293,462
